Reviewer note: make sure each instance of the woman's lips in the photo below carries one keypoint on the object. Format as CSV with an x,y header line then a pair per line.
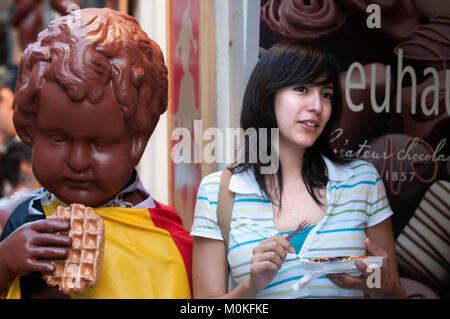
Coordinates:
x,y
309,125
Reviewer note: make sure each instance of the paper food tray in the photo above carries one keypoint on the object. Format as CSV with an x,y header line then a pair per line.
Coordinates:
x,y
347,266
316,269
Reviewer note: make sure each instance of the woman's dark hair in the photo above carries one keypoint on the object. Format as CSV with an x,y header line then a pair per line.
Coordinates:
x,y
288,63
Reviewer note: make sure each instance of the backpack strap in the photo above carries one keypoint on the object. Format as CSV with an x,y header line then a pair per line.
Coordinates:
x,y
20,216
225,203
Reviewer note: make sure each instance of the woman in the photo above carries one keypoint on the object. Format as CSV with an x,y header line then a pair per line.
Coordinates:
x,y
294,87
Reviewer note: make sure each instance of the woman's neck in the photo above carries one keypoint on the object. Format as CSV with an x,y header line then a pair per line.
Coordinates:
x,y
291,160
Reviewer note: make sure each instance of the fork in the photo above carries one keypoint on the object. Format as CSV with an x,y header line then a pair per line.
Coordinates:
x,y
303,225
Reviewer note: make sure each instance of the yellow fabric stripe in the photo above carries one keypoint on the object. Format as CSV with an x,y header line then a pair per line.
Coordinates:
x,y
13,291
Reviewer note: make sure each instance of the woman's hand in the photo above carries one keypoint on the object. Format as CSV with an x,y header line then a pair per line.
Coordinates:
x,y
266,261
209,271
382,287
29,248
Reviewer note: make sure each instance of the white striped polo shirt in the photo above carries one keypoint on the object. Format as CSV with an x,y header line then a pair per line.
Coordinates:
x,y
356,200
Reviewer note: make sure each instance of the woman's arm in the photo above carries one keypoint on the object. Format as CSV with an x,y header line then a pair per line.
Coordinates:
x,y
381,236
209,269
379,242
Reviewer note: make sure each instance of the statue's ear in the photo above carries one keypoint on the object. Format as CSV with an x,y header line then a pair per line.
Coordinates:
x,y
139,142
24,129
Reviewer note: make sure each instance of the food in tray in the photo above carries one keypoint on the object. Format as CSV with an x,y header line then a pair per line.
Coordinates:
x,y
337,264
337,258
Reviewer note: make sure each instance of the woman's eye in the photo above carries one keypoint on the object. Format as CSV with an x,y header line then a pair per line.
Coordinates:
x,y
300,88
327,96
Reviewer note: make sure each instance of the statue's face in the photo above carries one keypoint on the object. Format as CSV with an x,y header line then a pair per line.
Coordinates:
x,y
82,152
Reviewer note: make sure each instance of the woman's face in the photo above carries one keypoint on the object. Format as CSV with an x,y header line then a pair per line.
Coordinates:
x,y
302,111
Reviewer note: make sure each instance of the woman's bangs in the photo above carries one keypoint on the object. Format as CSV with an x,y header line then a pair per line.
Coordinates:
x,y
317,68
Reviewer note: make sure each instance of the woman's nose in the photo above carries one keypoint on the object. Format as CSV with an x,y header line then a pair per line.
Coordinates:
x,y
315,102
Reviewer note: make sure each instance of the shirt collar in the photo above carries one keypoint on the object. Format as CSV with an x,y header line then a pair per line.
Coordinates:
x,y
337,172
245,182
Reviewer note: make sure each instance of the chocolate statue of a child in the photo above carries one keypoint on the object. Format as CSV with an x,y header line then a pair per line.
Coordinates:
x,y
89,94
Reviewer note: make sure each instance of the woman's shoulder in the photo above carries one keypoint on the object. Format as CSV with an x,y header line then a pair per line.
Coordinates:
x,y
361,165
362,169
358,164
240,182
212,177
350,170
211,182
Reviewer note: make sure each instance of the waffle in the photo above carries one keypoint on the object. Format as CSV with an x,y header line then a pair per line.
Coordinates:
x,y
83,265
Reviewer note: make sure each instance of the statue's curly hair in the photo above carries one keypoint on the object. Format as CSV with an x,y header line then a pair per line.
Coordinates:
x,y
85,50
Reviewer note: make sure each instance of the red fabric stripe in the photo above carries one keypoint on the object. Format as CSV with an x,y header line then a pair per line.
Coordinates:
x,y
166,217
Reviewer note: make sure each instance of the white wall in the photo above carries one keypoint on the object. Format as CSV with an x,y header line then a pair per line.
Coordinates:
x,y
153,168
237,46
